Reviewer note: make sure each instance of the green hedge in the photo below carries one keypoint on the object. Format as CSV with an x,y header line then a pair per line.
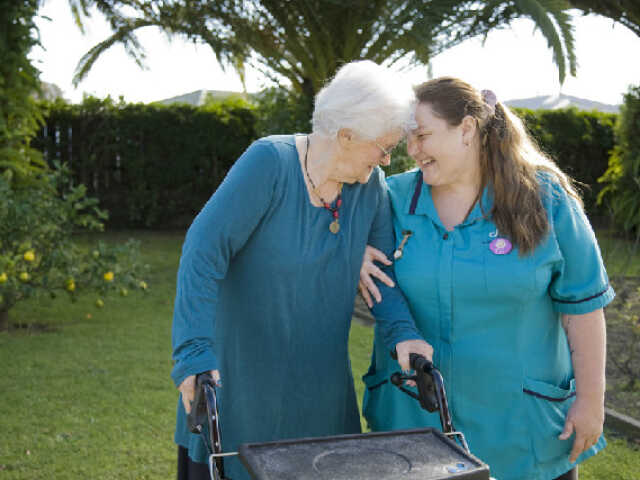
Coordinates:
x,y
622,179
580,142
150,165
155,165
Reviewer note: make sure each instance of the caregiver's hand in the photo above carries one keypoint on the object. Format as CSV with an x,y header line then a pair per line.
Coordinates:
x,y
585,418
188,389
368,270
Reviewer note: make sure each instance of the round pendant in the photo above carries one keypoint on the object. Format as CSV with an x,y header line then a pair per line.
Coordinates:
x,y
397,254
334,227
500,246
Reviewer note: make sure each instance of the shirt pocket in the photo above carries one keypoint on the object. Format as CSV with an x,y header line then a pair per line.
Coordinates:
x,y
547,406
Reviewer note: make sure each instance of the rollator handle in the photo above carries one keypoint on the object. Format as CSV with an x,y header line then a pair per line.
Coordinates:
x,y
197,418
204,421
431,392
424,380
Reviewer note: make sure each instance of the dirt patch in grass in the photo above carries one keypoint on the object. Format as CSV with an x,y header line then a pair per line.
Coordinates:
x,y
623,347
32,328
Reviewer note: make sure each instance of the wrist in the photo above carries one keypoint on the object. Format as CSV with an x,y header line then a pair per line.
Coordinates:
x,y
591,396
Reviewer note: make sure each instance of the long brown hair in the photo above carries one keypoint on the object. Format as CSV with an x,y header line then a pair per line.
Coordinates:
x,y
509,159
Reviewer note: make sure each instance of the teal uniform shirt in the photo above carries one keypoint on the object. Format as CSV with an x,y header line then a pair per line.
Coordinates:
x,y
495,325
265,294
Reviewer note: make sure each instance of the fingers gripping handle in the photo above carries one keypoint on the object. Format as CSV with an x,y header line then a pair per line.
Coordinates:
x,y
423,378
416,361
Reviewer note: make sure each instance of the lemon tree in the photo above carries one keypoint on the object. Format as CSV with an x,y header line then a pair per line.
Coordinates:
x,y
39,249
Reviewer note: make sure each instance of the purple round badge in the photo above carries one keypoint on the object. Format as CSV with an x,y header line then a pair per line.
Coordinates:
x,y
500,246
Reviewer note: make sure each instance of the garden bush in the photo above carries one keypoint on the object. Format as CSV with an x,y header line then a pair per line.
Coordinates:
x,y
150,165
621,192
156,165
580,142
38,252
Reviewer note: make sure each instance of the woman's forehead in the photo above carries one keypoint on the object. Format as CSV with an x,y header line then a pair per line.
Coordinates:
x,y
391,138
425,117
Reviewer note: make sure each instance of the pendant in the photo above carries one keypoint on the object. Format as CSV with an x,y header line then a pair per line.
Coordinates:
x,y
334,227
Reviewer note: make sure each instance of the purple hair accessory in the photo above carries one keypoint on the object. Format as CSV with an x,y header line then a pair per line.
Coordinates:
x,y
489,97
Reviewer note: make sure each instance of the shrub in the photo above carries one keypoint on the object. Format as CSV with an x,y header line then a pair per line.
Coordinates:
x,y
38,252
580,142
622,179
20,116
150,165
282,111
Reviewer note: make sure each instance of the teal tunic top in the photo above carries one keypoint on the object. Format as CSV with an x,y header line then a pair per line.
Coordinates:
x,y
265,294
494,323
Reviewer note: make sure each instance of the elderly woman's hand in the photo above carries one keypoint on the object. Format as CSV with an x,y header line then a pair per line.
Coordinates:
x,y
368,270
188,389
585,418
403,349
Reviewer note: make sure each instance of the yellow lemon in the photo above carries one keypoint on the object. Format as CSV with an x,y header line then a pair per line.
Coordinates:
x,y
108,277
24,277
71,285
29,255
3,277
143,285
99,303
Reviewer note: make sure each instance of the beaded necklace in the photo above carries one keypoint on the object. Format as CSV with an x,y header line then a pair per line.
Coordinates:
x,y
334,226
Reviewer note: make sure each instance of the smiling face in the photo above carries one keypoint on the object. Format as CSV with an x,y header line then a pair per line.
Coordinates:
x,y
361,156
446,154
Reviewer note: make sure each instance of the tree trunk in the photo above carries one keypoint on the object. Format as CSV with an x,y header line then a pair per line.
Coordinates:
x,y
308,95
4,320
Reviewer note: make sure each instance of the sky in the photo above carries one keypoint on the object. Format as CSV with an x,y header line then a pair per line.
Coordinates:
x,y
514,62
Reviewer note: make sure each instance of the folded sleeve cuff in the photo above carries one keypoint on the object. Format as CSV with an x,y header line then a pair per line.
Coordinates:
x,y
400,335
203,362
584,305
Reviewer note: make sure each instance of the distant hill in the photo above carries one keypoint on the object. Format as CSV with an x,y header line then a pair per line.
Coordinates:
x,y
549,102
199,97
554,102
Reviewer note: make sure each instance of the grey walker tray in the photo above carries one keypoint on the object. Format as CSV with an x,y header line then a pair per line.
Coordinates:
x,y
422,454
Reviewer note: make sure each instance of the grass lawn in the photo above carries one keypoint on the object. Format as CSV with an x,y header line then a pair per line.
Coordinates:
x,y
90,396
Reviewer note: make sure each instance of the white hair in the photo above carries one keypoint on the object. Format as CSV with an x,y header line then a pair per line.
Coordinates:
x,y
366,98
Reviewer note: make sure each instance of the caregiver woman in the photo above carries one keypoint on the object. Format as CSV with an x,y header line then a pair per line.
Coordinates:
x,y
504,278
269,272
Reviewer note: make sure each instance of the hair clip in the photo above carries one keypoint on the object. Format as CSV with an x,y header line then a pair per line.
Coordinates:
x,y
489,98
405,236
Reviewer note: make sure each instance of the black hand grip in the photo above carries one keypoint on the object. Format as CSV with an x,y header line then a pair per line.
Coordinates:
x,y
416,361
420,363
197,418
424,381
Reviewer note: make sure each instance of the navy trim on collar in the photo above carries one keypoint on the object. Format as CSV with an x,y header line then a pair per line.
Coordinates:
x,y
416,194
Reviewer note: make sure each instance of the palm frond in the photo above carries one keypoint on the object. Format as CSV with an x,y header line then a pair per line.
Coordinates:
x,y
124,35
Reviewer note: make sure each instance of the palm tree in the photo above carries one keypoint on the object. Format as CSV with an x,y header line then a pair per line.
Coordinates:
x,y
306,41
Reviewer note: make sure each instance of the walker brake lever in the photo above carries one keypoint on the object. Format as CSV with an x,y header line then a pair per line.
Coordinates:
x,y
424,380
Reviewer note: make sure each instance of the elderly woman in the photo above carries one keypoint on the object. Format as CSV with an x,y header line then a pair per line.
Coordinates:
x,y
504,277
269,272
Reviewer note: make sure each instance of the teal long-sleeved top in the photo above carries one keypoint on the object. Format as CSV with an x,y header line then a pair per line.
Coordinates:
x,y
494,323
265,294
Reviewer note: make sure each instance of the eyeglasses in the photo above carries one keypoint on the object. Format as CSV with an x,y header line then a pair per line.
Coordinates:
x,y
387,153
